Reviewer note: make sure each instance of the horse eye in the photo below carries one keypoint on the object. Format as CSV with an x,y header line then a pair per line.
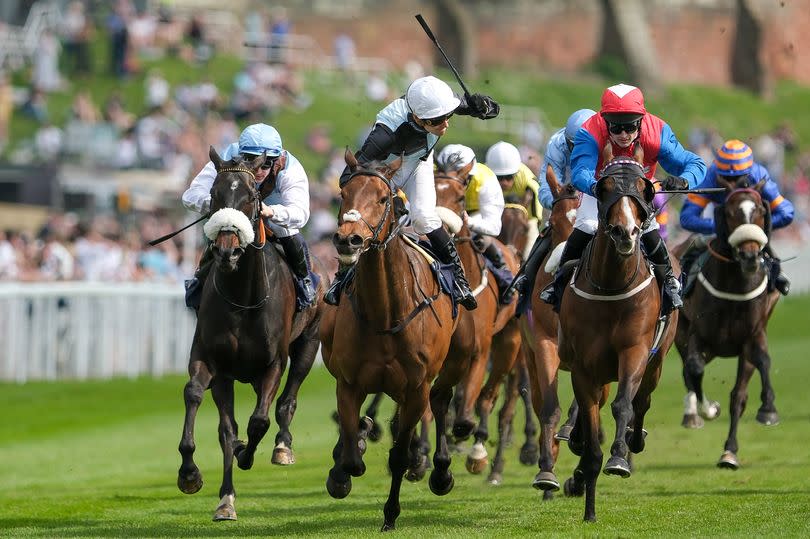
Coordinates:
x,y
460,200
383,200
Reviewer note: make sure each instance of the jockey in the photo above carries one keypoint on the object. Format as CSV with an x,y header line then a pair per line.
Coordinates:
x,y
514,176
285,210
623,122
734,167
558,157
409,127
484,205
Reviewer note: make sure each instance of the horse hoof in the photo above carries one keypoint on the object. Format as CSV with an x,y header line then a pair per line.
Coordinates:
x,y
441,485
617,466
418,470
769,419
190,484
573,489
692,421
564,434
709,411
375,434
338,490
386,527
463,429
476,466
283,455
576,447
529,454
225,511
495,479
728,461
546,481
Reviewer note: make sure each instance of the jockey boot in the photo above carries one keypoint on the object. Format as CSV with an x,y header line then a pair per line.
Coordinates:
x,y
503,275
574,246
445,249
775,275
524,282
297,253
194,286
332,296
658,255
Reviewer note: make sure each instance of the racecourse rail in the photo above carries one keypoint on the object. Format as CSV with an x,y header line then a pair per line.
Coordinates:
x,y
84,330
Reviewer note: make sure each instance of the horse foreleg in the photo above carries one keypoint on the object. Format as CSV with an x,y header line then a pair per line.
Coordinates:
x,y
419,450
505,417
222,392
189,478
530,450
632,363
441,478
757,354
371,412
697,406
739,398
259,421
410,412
587,394
302,355
464,424
548,410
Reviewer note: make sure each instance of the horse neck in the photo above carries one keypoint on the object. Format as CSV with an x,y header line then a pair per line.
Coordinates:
x,y
607,267
248,284
561,232
730,276
381,283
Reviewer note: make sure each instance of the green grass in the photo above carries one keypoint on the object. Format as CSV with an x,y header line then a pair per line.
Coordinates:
x,y
99,459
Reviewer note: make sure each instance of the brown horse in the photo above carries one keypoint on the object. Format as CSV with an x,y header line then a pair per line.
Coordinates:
x,y
727,312
246,328
493,328
539,329
609,327
390,333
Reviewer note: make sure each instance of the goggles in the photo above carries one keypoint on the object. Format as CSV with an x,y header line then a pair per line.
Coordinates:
x,y
439,120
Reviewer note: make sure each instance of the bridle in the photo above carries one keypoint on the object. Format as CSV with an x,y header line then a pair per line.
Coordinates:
x,y
261,237
375,241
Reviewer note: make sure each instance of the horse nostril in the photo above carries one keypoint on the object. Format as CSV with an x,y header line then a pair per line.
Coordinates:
x,y
355,240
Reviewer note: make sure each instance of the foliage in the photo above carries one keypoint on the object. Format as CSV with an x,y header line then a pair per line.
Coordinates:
x,y
99,459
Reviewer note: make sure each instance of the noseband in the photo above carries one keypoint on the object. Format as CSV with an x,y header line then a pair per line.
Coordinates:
x,y
254,199
374,241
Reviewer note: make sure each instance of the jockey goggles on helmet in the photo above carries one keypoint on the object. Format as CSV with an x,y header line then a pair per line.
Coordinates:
x,y
269,161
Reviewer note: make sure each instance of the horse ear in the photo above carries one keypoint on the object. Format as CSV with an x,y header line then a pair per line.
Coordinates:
x,y
638,154
350,159
214,157
607,153
553,182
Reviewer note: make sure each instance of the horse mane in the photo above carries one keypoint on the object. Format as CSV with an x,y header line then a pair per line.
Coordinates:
x,y
512,198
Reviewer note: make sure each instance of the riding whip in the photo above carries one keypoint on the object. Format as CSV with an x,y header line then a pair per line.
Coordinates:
x,y
176,232
435,41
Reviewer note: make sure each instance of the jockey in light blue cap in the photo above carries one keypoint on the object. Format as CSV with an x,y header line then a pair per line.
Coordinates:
x,y
285,209
558,157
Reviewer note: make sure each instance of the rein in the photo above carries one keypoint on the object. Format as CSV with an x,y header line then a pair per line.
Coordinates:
x,y
374,241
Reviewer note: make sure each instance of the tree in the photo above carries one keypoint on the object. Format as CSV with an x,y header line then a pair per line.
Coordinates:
x,y
626,35
456,33
747,69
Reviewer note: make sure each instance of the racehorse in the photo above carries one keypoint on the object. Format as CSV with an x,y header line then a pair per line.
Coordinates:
x,y
390,333
727,312
493,328
609,324
539,329
246,329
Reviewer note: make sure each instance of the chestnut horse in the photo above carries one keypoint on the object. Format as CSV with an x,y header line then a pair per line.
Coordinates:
x,y
608,322
390,333
246,328
727,312
493,328
539,329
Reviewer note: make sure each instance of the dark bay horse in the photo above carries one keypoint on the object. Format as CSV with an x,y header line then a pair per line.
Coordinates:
x,y
390,333
246,329
493,337
727,312
609,324
539,329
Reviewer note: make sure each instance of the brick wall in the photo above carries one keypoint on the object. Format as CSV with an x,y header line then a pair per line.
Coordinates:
x,y
692,40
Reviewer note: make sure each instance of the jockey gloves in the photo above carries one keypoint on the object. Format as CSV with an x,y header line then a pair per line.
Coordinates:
x,y
503,158
429,97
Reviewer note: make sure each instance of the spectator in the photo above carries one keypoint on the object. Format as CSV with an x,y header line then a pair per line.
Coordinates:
x,y
46,75
76,32
344,54
6,108
157,89
279,36
119,39
48,142
8,258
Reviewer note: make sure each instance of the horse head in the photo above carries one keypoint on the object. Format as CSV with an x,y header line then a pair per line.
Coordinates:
x,y
563,206
366,217
514,225
235,208
745,218
625,196
451,188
